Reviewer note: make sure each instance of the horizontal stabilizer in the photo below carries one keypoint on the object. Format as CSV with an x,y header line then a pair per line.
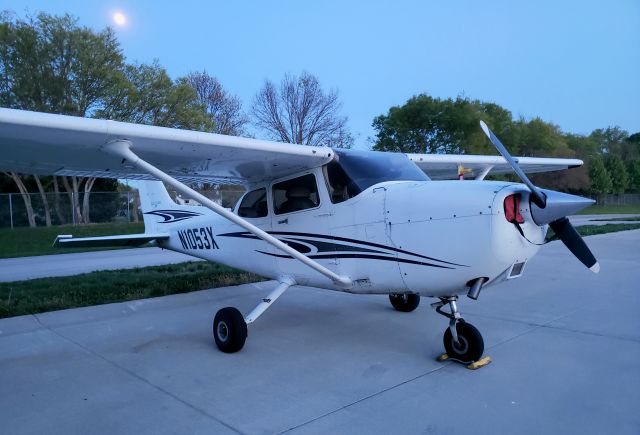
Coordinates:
x,y
134,240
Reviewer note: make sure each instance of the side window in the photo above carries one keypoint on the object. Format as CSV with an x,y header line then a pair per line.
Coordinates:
x,y
254,204
294,195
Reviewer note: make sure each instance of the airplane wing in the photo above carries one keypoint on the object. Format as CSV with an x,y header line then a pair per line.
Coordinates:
x,y
445,166
47,144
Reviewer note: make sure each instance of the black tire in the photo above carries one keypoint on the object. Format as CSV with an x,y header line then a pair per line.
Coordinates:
x,y
229,330
404,302
471,345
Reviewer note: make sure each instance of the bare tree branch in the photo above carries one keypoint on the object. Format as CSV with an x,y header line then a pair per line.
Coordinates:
x,y
223,108
300,112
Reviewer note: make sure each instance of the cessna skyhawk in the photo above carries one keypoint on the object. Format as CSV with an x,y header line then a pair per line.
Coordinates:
x,y
353,221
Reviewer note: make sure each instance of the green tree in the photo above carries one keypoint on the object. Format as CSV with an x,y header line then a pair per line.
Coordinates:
x,y
425,124
616,141
147,95
618,173
633,170
51,64
599,176
540,138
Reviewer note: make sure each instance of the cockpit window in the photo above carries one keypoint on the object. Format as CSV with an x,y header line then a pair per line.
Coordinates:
x,y
340,186
254,204
353,171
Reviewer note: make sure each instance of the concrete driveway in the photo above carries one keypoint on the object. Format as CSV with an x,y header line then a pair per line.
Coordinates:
x,y
565,345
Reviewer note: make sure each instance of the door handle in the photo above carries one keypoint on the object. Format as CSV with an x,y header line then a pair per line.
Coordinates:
x,y
284,221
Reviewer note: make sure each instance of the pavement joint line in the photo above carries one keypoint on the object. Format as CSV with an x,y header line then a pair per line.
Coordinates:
x,y
138,377
559,328
534,326
362,399
595,334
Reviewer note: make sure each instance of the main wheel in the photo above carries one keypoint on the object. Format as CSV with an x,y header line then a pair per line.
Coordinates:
x,y
404,302
229,330
470,346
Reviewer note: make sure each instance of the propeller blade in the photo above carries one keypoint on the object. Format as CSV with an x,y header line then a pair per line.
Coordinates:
x,y
537,196
572,240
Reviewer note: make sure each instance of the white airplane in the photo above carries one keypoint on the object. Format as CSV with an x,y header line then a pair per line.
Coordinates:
x,y
353,221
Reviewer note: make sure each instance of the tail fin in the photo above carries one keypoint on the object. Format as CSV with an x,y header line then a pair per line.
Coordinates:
x,y
158,209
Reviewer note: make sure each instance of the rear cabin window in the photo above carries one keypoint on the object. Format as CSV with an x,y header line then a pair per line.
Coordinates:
x,y
254,204
296,194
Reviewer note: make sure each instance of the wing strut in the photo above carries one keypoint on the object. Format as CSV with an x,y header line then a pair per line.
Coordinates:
x,y
122,148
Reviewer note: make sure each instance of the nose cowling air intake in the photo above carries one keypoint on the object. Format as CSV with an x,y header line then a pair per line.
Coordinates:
x,y
551,207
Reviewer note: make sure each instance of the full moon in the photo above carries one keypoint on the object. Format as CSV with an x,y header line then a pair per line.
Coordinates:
x,y
119,18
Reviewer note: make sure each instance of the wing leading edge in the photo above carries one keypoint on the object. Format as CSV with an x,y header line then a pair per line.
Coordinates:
x,y
445,166
42,143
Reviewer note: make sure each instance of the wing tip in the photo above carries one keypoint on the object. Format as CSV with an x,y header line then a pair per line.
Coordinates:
x,y
60,238
595,268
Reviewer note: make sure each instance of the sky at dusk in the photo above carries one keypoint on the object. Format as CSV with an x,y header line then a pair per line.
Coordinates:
x,y
573,63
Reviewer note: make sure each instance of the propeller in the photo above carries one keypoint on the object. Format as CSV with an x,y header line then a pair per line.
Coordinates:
x,y
551,207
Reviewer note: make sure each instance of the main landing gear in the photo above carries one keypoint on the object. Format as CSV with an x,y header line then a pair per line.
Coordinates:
x,y
462,341
405,302
230,328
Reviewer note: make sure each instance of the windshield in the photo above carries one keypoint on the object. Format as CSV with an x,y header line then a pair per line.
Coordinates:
x,y
353,171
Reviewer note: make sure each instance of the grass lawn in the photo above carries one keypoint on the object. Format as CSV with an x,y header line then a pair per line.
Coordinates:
x,y
628,219
611,209
25,241
48,294
590,230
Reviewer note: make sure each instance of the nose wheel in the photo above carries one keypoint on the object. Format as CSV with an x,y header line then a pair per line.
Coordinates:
x,y
470,345
462,341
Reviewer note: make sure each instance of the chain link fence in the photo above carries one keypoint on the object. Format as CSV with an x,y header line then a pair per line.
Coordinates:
x,y
622,199
100,207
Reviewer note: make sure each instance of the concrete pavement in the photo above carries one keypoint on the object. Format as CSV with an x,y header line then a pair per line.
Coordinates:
x,y
42,266
565,345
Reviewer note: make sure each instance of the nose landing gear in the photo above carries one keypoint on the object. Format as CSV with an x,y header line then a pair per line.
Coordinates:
x,y
462,341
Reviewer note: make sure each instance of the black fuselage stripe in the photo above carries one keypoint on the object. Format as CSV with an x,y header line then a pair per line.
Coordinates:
x,y
342,239
362,257
375,245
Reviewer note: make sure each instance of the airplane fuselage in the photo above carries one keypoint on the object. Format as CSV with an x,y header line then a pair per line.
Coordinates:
x,y
430,238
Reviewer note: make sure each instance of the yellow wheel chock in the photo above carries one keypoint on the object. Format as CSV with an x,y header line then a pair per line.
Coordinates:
x,y
473,366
